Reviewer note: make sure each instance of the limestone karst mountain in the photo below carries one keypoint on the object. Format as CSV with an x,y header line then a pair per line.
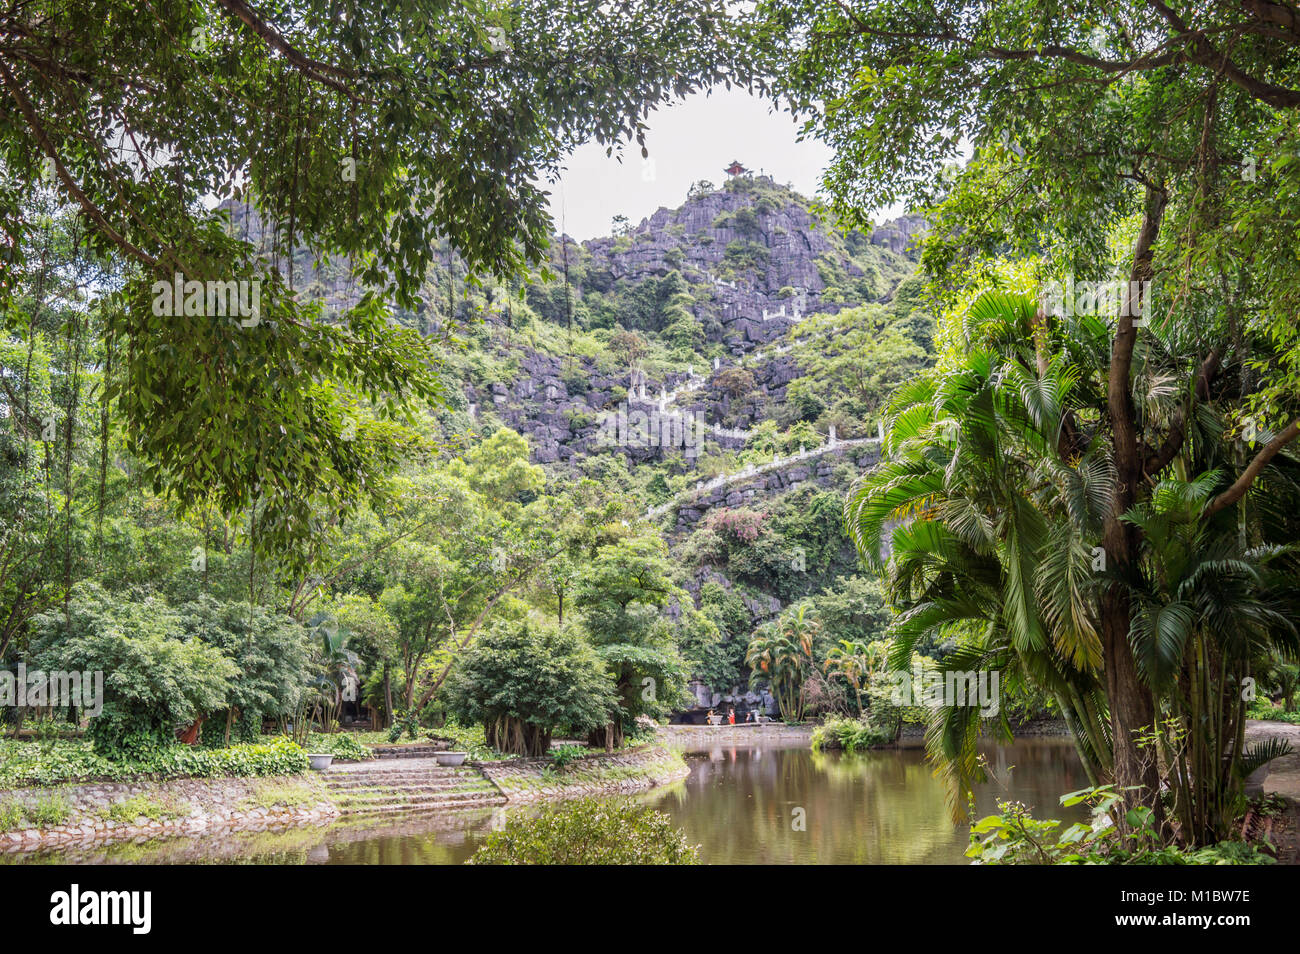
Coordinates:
x,y
702,305
725,363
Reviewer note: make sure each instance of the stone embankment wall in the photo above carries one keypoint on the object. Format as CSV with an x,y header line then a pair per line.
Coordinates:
x,y
191,807
687,736
622,773
180,807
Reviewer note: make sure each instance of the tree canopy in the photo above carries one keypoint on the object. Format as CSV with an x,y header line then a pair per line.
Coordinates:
x,y
361,132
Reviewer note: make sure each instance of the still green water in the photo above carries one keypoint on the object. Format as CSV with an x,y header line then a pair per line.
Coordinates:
x,y
740,804
885,807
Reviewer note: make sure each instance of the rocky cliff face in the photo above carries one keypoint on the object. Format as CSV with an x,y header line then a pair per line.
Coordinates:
x,y
751,259
757,258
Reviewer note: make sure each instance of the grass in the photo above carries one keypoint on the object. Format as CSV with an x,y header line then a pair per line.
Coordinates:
x,y
46,812
270,795
11,816
593,771
127,810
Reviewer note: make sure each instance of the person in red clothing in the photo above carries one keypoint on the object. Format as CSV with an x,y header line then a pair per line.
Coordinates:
x,y
731,715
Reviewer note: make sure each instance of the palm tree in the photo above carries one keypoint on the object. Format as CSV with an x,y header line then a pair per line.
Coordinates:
x,y
983,519
1205,610
781,652
856,663
986,517
333,662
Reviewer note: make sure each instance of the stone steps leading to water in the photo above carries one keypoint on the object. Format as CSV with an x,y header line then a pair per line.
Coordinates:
x,y
406,751
404,801
395,767
408,784
413,784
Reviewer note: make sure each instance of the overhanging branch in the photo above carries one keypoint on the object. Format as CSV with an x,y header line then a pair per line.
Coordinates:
x,y
1260,461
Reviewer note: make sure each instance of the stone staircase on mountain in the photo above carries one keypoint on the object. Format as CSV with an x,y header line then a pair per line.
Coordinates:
x,y
408,781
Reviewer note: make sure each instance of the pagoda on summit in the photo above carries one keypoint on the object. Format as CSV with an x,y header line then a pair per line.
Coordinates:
x,y
735,169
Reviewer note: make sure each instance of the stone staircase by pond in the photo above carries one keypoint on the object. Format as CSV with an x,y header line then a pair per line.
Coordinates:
x,y
408,784
406,751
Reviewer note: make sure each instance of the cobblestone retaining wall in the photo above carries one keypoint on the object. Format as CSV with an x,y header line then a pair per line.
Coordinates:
x,y
183,806
635,770
685,736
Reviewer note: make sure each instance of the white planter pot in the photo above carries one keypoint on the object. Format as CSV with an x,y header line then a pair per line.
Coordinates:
x,y
451,758
320,762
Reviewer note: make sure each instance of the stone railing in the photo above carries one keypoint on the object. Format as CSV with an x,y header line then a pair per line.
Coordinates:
x,y
750,470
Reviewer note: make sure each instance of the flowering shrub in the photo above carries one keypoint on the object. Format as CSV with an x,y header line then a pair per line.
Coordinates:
x,y
743,524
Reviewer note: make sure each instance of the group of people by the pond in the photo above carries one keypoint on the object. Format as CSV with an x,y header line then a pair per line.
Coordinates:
x,y
753,716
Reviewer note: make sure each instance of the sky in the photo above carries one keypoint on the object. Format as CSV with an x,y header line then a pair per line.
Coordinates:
x,y
691,140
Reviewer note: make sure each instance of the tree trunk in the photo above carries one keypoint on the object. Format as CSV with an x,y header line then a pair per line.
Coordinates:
x,y
517,737
1132,709
388,697
1131,706
609,737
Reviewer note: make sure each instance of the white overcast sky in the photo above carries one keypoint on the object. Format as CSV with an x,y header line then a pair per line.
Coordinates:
x,y
691,140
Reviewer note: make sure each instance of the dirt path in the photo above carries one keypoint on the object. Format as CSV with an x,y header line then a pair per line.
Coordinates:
x,y
1280,777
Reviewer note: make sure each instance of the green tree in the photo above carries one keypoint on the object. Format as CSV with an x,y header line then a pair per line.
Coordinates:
x,y
523,681
270,652
156,678
780,652
622,593
360,139
999,470
716,653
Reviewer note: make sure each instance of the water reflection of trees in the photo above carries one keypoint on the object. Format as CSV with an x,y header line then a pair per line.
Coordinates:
x,y
873,808
428,839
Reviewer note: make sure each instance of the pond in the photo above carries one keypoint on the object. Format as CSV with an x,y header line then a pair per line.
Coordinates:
x,y
741,804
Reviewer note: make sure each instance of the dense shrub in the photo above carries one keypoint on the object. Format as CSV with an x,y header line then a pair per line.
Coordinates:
x,y
588,831
24,763
281,756
851,735
1014,837
1262,708
341,745
271,653
154,678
